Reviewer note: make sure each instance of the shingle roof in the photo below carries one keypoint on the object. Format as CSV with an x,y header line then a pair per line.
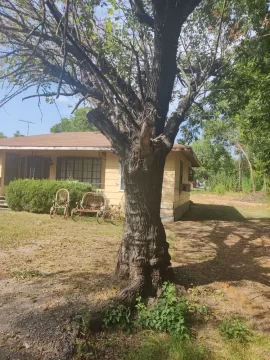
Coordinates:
x,y
76,140
64,139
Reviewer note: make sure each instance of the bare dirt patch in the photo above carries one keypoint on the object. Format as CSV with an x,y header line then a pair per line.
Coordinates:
x,y
50,271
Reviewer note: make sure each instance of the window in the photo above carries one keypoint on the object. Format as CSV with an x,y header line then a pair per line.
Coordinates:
x,y
122,185
83,169
181,175
20,167
191,174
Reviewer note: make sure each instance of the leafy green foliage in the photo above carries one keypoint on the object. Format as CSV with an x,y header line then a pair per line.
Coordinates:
x,y
118,316
213,158
37,195
223,181
234,329
77,122
220,189
169,314
234,113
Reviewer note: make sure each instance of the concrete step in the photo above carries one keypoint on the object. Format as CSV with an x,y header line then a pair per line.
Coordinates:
x,y
3,204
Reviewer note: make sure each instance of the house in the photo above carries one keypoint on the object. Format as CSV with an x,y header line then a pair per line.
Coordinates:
x,y
87,156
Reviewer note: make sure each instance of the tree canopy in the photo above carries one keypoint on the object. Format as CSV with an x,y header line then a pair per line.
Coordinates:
x,y
2,135
77,122
17,134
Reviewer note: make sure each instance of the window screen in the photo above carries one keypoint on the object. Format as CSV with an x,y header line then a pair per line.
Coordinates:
x,y
86,170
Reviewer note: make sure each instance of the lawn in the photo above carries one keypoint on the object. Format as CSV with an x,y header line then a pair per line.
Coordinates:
x,y
51,271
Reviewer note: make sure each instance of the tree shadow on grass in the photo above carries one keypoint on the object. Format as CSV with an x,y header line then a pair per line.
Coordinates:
x,y
202,212
219,245
234,247
46,327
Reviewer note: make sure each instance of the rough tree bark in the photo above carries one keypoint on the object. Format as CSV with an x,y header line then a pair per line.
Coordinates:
x,y
143,254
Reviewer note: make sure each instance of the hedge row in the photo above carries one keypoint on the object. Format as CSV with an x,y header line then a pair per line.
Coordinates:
x,y
37,195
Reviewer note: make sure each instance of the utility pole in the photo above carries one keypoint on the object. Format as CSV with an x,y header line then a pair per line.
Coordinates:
x,y
28,122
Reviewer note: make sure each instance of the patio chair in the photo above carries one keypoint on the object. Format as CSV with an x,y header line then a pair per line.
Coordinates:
x,y
92,202
60,203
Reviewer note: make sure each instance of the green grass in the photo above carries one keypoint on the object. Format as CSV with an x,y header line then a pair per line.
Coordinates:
x,y
22,228
168,348
25,274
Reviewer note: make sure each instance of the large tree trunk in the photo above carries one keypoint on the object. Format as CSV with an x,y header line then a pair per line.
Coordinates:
x,y
143,254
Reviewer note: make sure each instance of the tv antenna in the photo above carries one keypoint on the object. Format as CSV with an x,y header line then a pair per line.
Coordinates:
x,y
28,122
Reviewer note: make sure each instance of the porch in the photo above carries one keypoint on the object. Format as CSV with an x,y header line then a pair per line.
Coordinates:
x,y
83,166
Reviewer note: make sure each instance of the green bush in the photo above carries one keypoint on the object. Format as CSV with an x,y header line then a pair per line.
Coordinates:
x,y
37,195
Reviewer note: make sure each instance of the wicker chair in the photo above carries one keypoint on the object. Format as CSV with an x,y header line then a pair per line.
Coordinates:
x,y
91,202
61,202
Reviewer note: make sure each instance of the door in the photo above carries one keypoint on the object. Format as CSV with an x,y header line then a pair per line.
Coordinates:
x,y
12,168
38,167
34,167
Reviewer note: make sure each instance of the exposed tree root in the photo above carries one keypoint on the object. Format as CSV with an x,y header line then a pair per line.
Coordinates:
x,y
126,297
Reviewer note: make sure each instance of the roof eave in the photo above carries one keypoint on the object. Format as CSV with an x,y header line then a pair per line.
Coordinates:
x,y
93,148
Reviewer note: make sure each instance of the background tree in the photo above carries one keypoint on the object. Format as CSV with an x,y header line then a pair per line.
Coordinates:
x,y
235,111
129,60
213,158
17,134
2,135
77,122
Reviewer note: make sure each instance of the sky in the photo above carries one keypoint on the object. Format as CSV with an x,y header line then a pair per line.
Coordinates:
x,y
28,110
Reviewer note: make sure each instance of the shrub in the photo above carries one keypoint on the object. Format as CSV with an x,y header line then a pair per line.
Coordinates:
x,y
169,314
37,195
220,189
234,329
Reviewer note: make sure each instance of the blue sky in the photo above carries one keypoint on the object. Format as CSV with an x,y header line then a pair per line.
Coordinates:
x,y
28,110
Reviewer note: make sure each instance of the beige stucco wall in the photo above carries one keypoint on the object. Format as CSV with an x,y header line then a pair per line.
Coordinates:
x,y
112,179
